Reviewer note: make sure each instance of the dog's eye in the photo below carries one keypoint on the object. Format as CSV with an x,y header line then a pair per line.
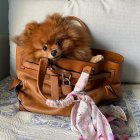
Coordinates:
x,y
58,42
45,47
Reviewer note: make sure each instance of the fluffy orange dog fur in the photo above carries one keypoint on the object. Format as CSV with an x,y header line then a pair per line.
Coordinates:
x,y
56,37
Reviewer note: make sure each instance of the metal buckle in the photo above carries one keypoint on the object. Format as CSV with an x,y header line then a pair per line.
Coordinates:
x,y
66,80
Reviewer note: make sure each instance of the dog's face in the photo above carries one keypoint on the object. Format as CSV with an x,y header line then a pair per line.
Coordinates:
x,y
51,38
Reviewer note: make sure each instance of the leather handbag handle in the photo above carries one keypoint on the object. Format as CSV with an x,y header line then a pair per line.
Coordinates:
x,y
73,18
43,64
41,75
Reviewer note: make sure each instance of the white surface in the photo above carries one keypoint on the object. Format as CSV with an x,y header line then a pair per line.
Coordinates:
x,y
21,126
135,138
115,25
135,88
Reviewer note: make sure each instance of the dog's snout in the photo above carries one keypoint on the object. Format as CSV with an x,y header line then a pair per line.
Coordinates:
x,y
53,52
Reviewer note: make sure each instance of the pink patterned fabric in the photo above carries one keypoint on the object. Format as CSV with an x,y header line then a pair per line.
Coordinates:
x,y
86,118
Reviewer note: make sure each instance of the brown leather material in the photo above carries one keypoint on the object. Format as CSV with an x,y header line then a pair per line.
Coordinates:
x,y
39,82
54,87
73,18
15,83
41,75
59,71
66,89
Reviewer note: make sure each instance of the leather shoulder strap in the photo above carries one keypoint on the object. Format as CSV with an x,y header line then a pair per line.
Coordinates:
x,y
73,18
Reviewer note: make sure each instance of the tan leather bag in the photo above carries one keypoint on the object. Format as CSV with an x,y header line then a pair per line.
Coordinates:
x,y
37,82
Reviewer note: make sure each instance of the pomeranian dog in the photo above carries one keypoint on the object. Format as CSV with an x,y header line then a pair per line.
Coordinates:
x,y
54,38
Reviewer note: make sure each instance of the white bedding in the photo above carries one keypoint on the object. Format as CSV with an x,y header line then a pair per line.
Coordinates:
x,y
135,138
133,104
15,125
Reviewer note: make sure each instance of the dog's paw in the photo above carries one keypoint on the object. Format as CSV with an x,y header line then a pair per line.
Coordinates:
x,y
96,58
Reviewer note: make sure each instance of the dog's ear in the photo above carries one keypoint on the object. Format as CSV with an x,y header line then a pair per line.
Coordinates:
x,y
31,28
54,16
19,40
24,37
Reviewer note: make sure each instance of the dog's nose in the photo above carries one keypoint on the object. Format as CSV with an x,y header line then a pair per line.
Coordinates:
x,y
53,52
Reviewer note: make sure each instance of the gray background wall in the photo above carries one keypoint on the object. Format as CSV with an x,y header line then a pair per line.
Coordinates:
x,y
4,16
4,41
